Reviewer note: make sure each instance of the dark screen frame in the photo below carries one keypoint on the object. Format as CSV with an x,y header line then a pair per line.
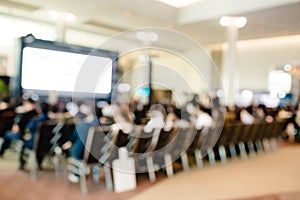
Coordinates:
x,y
31,41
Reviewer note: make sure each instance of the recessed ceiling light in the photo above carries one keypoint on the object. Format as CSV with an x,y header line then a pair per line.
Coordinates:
x,y
54,14
62,15
236,21
180,3
147,36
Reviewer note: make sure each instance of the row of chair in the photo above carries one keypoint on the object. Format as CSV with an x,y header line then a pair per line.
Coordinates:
x,y
243,138
160,148
49,137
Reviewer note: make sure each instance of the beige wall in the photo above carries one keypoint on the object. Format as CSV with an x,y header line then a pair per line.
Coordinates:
x,y
257,58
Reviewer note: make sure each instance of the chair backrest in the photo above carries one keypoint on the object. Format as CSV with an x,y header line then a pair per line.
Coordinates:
x,y
143,141
181,141
279,127
261,133
245,133
269,129
211,138
196,143
225,135
44,135
122,139
95,141
6,122
164,137
236,131
65,133
255,131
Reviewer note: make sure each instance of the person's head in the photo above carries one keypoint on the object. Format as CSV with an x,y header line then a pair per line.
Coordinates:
x,y
6,100
157,111
298,114
44,106
191,109
86,108
4,103
29,104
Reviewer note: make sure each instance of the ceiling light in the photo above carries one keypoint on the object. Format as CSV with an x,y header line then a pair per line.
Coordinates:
x,y
236,21
147,36
67,16
54,14
240,22
287,67
179,3
225,21
124,87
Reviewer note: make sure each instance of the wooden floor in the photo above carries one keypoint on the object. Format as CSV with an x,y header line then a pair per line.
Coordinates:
x,y
15,185
271,176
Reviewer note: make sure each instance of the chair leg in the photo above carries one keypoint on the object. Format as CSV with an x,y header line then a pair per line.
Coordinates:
x,y
222,153
168,163
266,145
251,149
211,157
32,165
108,178
83,184
259,146
273,143
1,142
243,151
232,152
55,161
185,162
151,170
198,158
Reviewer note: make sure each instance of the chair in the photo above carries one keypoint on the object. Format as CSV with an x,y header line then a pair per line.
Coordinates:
x,y
279,127
41,146
181,139
243,140
210,141
223,142
6,122
144,144
93,152
235,131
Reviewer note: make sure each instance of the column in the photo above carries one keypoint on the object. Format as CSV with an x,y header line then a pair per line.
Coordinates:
x,y
229,67
61,29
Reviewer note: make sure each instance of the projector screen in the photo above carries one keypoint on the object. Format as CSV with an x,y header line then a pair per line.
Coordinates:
x,y
65,69
44,69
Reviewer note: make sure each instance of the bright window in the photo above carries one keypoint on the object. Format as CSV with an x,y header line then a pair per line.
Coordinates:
x,y
279,81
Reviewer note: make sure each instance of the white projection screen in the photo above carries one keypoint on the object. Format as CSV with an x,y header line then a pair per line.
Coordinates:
x,y
45,69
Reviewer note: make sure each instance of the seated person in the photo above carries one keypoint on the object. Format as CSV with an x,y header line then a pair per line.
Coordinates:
x,y
204,120
246,116
7,115
156,123
27,112
157,119
29,134
123,119
293,128
76,142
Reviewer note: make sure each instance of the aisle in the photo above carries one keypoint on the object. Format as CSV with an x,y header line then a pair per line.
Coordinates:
x,y
15,185
275,175
272,176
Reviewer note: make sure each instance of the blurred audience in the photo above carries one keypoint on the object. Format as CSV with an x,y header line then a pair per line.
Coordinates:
x,y
25,113
30,133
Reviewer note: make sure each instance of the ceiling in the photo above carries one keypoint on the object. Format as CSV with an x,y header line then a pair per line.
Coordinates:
x,y
266,18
